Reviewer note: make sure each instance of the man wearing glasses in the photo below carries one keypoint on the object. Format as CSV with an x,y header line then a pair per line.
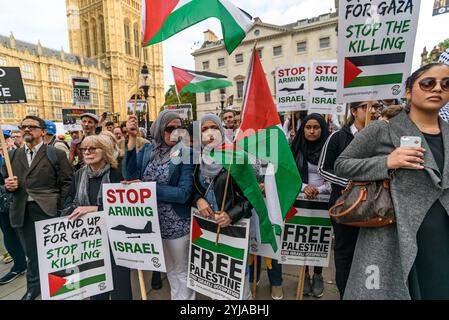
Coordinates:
x,y
39,190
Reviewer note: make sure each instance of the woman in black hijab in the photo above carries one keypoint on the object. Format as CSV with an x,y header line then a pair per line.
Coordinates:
x,y
306,149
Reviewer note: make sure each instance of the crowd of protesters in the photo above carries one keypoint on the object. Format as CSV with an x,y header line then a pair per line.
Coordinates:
x,y
54,177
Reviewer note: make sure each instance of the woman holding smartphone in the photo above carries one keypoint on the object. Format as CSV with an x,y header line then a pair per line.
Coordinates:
x,y
408,259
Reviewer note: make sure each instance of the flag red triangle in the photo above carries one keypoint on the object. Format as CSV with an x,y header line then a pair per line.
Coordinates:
x,y
156,12
182,78
55,283
291,214
351,72
259,111
196,230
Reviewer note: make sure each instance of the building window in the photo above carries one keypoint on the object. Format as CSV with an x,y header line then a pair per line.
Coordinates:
x,y
136,41
221,62
87,38
33,111
57,113
28,71
239,58
7,111
325,43
95,35
53,74
103,38
277,51
56,94
207,97
127,39
31,92
205,65
145,54
301,46
259,53
257,32
240,89
2,62
107,101
93,82
94,98
106,86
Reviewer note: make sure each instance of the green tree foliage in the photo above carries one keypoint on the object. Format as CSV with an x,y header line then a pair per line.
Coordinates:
x,y
445,44
171,98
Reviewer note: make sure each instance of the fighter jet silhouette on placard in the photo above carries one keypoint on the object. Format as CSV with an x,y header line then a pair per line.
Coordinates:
x,y
147,229
289,90
325,90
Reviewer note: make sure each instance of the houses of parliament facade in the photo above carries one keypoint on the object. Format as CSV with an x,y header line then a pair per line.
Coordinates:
x,y
104,37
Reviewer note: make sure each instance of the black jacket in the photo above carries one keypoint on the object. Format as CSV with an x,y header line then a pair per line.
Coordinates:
x,y
237,206
334,146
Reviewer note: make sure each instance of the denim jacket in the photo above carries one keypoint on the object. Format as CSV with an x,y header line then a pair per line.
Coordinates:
x,y
177,192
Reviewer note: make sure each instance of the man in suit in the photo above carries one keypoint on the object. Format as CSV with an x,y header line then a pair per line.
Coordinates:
x,y
39,192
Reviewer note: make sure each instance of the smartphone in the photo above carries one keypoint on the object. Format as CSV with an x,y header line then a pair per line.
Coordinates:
x,y
411,142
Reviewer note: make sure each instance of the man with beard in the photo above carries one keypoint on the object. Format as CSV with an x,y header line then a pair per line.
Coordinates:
x,y
41,181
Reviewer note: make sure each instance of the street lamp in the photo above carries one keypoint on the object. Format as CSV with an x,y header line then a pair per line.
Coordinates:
x,y
222,99
145,75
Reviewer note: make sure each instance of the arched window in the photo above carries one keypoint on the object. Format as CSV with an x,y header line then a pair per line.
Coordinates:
x,y
136,41
127,38
95,35
102,35
87,38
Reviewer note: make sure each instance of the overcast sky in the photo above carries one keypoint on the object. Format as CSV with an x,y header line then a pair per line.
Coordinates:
x,y
46,20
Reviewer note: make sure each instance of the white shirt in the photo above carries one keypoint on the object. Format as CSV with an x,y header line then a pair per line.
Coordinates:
x,y
30,158
315,180
354,130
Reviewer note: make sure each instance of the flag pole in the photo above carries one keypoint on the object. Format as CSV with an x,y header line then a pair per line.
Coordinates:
x,y
233,147
300,288
176,88
255,276
6,155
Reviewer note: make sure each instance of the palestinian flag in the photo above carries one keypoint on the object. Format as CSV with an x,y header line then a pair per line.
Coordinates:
x,y
261,136
195,82
80,83
232,242
309,213
373,70
64,281
161,19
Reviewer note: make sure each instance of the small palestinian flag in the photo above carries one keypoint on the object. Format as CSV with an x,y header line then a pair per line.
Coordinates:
x,y
64,281
162,19
232,241
195,82
309,213
373,70
79,83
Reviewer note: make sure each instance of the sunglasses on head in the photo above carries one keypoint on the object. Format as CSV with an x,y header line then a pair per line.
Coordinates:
x,y
170,129
428,84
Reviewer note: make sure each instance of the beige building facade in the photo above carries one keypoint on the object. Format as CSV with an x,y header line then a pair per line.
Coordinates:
x,y
278,46
104,37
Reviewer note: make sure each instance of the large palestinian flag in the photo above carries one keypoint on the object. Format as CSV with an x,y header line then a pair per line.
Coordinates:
x,y
161,19
260,136
67,280
373,70
195,81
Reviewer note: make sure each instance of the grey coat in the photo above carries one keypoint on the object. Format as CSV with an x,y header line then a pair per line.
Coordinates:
x,y
392,249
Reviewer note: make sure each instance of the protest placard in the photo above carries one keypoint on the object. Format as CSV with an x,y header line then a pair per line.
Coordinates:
x,y
184,110
376,40
71,118
217,270
133,225
323,91
292,89
81,91
440,7
256,247
74,259
307,234
11,86
141,106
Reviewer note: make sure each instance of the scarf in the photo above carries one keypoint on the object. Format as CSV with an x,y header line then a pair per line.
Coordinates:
x,y
161,151
86,173
209,168
306,151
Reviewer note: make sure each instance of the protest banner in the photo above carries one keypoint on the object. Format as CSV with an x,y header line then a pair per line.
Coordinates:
x,y
141,106
217,270
292,89
184,110
71,118
133,225
323,93
307,234
11,86
256,247
376,40
74,259
440,7
81,91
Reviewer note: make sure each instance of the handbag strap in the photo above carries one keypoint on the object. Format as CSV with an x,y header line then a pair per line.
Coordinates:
x,y
362,197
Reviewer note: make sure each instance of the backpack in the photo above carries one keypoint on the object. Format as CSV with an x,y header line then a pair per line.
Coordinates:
x,y
60,141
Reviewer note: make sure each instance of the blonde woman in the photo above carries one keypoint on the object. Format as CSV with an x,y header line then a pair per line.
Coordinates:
x,y
85,196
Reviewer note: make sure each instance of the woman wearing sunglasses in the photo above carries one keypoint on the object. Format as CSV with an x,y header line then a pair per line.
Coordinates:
x,y
174,188
408,259
85,196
